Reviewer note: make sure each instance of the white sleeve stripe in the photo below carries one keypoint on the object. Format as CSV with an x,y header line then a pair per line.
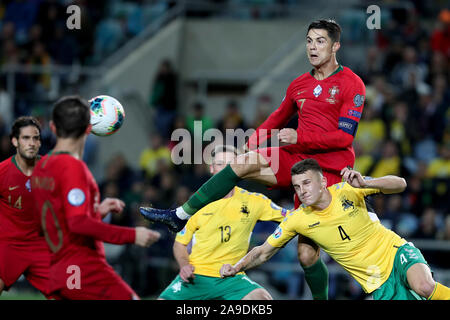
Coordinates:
x,y
373,216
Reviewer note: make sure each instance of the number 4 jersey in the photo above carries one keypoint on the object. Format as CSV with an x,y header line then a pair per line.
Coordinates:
x,y
346,230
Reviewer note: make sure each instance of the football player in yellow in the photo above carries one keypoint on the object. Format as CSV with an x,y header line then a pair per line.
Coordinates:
x,y
338,220
220,233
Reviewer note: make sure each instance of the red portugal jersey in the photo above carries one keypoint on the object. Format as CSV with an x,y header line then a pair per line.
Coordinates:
x,y
65,190
17,216
328,111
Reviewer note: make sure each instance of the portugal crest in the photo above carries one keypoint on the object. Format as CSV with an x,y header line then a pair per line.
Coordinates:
x,y
333,92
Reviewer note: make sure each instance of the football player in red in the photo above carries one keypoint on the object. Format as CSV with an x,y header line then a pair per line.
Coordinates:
x,y
329,102
69,208
22,249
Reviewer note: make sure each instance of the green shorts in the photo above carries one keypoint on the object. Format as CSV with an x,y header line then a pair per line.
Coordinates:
x,y
396,286
210,288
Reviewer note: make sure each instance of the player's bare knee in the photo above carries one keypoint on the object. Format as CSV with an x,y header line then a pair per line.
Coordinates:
x,y
420,279
424,287
307,255
264,295
258,294
246,164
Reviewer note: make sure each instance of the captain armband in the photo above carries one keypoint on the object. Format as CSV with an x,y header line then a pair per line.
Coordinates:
x,y
348,125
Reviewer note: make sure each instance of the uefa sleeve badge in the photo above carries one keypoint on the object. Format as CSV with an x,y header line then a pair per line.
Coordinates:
x,y
76,197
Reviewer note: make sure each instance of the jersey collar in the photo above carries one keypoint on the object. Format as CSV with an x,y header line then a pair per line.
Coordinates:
x,y
52,153
339,68
14,161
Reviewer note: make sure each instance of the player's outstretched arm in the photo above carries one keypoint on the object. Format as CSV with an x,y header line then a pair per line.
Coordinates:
x,y
87,226
256,256
387,184
181,255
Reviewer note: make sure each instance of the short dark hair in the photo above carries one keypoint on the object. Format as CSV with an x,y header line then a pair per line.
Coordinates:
x,y
71,116
306,165
332,27
21,122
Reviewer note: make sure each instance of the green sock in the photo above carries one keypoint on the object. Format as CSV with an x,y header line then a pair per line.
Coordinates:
x,y
317,278
214,189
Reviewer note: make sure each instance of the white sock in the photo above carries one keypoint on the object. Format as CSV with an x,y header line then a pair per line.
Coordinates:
x,y
182,214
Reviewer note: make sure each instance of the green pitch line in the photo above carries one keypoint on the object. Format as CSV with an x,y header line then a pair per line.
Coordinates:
x,y
21,296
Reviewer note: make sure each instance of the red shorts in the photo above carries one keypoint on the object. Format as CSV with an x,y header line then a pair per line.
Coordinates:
x,y
30,258
281,160
88,279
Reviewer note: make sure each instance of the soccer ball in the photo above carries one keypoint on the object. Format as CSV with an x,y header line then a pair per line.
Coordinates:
x,y
107,115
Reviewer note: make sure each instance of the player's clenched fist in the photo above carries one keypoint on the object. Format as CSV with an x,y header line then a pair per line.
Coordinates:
x,y
146,237
288,135
227,270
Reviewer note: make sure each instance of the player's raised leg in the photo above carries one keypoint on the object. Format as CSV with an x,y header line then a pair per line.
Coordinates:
x,y
421,282
251,165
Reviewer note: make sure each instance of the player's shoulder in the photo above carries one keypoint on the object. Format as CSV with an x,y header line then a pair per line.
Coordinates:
x,y
254,196
60,162
303,77
344,188
349,75
340,187
5,164
295,214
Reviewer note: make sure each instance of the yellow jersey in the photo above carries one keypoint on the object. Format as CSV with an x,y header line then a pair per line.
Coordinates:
x,y
221,231
346,230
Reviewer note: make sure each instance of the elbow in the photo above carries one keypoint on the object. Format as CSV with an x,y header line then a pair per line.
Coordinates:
x,y
403,184
346,140
75,224
343,140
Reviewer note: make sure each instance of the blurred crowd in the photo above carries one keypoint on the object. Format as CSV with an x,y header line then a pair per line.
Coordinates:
x,y
405,126
404,129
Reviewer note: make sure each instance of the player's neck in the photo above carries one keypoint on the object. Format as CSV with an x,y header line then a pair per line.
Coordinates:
x,y
73,146
25,165
324,201
325,70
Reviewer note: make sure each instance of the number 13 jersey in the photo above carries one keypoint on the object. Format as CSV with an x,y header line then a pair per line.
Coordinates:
x,y
220,232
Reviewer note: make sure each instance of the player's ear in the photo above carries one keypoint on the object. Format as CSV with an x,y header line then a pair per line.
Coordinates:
x,y
52,127
14,142
336,46
89,129
324,182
